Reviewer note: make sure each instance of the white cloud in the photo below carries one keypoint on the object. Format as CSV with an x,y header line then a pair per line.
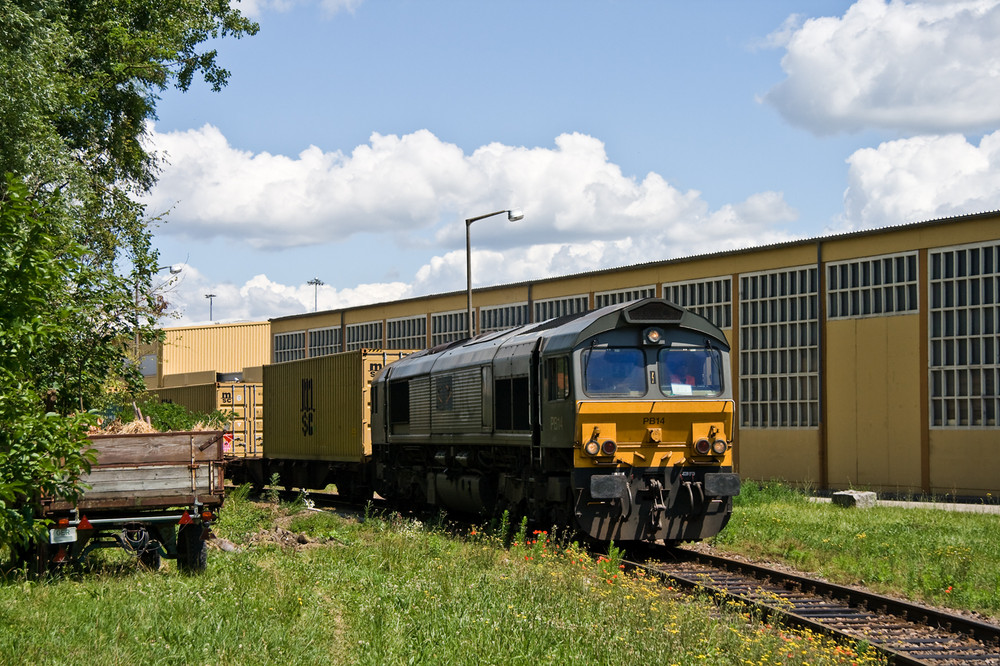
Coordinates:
x,y
418,183
260,298
922,178
581,213
928,67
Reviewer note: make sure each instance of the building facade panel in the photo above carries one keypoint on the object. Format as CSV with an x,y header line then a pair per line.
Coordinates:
x,y
964,462
780,454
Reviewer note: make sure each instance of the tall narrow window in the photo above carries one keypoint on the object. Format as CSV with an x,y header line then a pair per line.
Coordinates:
x,y
779,349
964,332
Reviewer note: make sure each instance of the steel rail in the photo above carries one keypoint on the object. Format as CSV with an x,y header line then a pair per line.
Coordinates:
x,y
908,633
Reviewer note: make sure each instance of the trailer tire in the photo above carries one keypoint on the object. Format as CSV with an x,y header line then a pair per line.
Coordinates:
x,y
150,558
192,551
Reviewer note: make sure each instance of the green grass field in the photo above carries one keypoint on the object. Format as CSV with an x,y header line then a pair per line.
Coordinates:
x,y
928,555
383,590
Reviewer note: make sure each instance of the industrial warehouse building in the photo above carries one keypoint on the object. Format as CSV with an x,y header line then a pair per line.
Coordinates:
x,y
864,360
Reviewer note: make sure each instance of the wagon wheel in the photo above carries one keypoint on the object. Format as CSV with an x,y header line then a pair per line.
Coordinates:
x,y
150,558
192,551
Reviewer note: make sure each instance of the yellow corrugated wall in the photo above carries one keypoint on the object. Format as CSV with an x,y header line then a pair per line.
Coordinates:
x,y
219,348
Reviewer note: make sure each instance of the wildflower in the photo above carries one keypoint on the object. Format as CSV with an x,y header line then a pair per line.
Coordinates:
x,y
948,591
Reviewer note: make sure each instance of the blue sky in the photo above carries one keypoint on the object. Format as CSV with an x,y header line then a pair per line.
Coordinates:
x,y
355,136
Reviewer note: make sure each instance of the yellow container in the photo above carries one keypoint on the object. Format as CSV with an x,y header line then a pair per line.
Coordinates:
x,y
320,408
242,400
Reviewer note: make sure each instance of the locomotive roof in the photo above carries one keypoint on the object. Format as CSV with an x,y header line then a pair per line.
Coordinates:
x,y
560,334
649,312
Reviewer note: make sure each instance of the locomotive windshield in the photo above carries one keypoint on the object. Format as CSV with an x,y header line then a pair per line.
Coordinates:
x,y
614,371
690,372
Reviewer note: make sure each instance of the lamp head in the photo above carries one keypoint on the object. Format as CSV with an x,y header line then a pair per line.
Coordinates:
x,y
515,215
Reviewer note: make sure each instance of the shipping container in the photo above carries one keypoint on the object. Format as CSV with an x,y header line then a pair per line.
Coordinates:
x,y
243,401
319,409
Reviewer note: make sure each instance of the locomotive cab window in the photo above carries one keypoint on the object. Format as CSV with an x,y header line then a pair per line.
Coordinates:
x,y
614,371
690,372
557,378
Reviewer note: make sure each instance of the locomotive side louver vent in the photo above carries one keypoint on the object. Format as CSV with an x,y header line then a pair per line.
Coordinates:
x,y
653,311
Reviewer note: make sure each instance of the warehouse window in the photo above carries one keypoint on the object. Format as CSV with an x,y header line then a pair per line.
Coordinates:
x,y
712,298
289,346
779,356
500,317
873,286
559,307
324,341
605,298
964,331
407,333
448,327
364,336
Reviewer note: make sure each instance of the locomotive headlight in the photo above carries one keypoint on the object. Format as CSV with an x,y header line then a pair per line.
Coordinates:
x,y
592,447
719,446
702,447
608,447
653,336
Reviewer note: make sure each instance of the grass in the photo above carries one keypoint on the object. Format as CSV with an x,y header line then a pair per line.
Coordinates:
x,y
384,590
939,557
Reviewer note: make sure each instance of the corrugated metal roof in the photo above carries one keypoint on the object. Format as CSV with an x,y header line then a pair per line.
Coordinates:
x,y
666,262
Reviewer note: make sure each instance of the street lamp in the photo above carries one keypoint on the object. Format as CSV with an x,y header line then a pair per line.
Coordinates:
x,y
316,283
512,216
210,297
174,270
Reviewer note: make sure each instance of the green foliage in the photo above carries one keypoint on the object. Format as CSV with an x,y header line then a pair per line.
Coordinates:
x,y
40,452
273,492
240,518
78,84
167,416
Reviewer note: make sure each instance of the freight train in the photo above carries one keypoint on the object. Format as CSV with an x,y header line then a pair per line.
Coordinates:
x,y
617,422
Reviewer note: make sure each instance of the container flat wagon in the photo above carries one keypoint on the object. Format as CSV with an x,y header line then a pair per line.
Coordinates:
x,y
318,415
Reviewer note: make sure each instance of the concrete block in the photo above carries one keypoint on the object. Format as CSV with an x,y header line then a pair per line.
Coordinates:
x,y
858,499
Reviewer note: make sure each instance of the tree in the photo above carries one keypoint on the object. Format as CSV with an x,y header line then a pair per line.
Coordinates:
x,y
40,452
80,81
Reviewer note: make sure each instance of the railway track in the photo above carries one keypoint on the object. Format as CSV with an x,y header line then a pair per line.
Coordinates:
x,y
908,633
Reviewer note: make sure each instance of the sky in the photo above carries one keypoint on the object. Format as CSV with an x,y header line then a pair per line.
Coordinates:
x,y
356,136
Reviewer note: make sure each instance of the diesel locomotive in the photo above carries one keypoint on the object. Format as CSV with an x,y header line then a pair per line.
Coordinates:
x,y
617,421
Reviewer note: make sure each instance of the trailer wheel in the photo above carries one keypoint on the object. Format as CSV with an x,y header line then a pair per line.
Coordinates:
x,y
192,551
150,558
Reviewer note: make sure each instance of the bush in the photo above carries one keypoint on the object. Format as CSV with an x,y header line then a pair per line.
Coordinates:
x,y
170,416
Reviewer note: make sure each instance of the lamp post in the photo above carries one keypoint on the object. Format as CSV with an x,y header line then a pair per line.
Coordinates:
x,y
316,283
174,270
513,215
210,297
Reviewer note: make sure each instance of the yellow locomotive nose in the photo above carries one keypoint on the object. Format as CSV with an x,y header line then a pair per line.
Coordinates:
x,y
657,434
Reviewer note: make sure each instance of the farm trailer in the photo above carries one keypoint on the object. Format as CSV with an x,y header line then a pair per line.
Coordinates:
x,y
154,495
